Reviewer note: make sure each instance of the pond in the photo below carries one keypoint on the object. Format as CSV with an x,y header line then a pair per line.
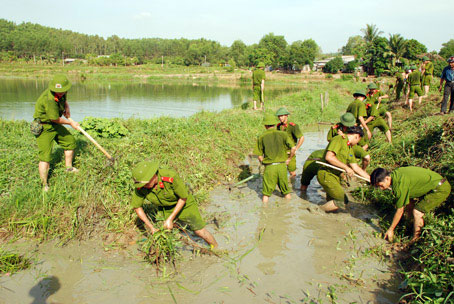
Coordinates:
x,y
125,100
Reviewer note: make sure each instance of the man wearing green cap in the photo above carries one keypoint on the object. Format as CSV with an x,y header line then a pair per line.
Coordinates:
x,y
414,81
358,109
49,108
347,120
376,111
427,71
272,147
294,132
258,85
339,153
168,193
447,76
408,184
400,82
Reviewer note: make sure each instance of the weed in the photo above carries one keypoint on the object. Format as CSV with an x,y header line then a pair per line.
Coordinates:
x,y
12,262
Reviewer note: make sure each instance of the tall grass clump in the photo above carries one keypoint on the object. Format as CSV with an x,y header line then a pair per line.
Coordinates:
x,y
12,262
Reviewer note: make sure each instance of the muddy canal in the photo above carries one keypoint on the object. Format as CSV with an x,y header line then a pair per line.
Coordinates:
x,y
289,252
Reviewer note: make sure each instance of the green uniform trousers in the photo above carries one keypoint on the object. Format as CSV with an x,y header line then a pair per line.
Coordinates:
x,y
332,185
399,88
51,133
189,215
415,89
291,167
257,92
275,174
434,198
310,169
426,80
380,123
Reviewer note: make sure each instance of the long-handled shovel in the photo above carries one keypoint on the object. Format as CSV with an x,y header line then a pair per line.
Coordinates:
x,y
340,169
111,159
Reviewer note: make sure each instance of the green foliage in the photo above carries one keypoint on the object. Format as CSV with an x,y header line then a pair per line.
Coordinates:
x,y
334,65
104,127
371,32
376,56
447,49
414,48
162,248
397,46
276,48
301,53
355,46
351,66
12,262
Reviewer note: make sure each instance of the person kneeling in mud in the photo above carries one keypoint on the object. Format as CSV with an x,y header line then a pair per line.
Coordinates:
x,y
339,153
348,120
407,184
168,192
272,148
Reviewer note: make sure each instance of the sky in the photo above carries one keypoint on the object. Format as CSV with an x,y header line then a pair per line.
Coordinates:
x,y
328,22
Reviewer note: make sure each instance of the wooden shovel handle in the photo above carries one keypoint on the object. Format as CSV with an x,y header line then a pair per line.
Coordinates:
x,y
93,141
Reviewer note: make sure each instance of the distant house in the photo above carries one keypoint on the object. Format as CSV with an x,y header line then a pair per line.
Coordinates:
x,y
319,64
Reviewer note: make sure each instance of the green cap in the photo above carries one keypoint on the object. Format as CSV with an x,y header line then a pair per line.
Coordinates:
x,y
282,111
59,84
406,68
372,86
425,58
269,119
413,67
261,65
359,93
348,119
143,172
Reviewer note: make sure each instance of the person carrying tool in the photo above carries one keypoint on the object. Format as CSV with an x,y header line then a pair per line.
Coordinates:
x,y
448,76
339,153
427,71
258,85
272,147
376,111
294,132
348,120
407,184
358,109
166,191
48,126
414,81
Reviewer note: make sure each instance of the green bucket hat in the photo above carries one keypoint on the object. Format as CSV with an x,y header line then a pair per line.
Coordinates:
x,y
348,119
359,93
413,67
261,65
143,172
269,119
59,84
425,58
372,86
282,111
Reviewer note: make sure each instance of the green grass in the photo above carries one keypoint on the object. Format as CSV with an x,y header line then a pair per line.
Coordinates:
x,y
12,262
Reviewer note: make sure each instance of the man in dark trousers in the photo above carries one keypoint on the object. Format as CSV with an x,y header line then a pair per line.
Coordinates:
x,y
448,76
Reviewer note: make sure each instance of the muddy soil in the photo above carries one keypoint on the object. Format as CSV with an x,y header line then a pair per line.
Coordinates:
x,y
289,252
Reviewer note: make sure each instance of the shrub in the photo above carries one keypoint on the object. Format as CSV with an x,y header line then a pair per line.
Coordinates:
x,y
333,66
103,127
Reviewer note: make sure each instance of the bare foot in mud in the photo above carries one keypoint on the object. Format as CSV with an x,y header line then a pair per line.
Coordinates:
x,y
288,196
329,207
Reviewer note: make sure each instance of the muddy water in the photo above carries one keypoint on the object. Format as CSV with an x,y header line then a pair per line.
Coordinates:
x,y
289,252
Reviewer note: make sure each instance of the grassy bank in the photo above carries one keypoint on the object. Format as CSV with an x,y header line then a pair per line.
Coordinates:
x,y
205,149
426,140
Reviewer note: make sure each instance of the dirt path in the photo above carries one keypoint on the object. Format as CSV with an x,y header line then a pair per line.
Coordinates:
x,y
289,252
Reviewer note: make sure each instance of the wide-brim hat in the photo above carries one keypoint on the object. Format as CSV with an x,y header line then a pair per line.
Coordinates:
x,y
413,67
282,111
261,65
359,93
372,86
425,58
59,84
348,119
269,120
143,172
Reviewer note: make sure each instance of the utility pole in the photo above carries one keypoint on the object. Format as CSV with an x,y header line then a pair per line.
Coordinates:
x,y
63,58
162,61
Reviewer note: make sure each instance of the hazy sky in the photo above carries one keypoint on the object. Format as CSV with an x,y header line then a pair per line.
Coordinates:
x,y
328,22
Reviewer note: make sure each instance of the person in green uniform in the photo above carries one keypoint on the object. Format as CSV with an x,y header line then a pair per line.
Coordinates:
x,y
294,132
376,111
272,147
49,108
358,109
414,81
427,72
348,120
400,82
310,168
166,191
407,184
406,83
339,153
258,85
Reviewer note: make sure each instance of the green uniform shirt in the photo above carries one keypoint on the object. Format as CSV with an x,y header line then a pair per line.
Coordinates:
x,y
257,76
333,131
371,103
292,129
169,189
412,182
273,145
357,108
343,150
429,69
414,78
47,109
399,78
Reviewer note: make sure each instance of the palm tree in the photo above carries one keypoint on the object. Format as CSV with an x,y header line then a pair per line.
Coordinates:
x,y
371,33
397,45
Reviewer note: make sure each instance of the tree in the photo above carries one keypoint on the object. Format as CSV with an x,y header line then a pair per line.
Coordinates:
x,y
377,56
448,49
238,52
301,53
276,47
397,46
371,33
334,65
356,46
414,48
